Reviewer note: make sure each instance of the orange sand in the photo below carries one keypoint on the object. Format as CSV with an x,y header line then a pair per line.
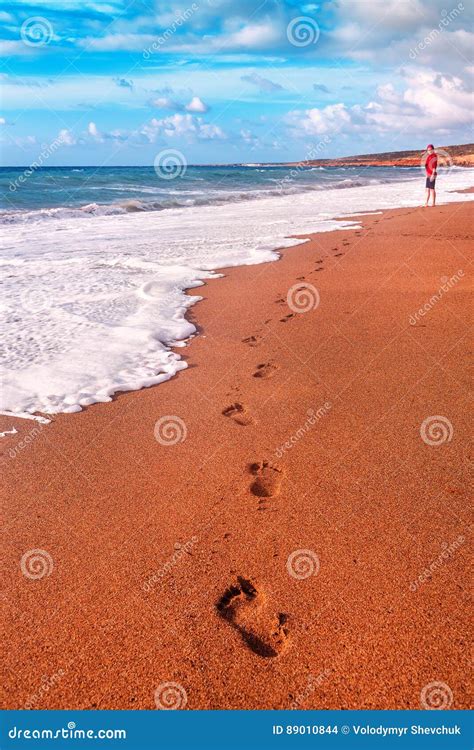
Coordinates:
x,y
346,386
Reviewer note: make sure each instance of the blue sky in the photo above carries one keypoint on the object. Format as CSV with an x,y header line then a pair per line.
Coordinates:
x,y
115,82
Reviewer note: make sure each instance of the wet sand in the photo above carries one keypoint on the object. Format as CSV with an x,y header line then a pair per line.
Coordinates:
x,y
296,532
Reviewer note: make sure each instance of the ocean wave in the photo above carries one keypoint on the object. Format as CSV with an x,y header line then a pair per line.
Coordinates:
x,y
169,199
96,308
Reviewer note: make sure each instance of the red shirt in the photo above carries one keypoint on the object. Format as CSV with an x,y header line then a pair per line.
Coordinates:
x,y
431,164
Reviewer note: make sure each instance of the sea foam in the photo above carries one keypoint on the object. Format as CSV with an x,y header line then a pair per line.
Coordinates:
x,y
94,307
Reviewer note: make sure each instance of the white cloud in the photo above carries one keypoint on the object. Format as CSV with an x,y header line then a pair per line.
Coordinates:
x,y
431,102
252,36
197,105
165,102
67,138
330,119
250,138
114,42
181,126
94,132
13,47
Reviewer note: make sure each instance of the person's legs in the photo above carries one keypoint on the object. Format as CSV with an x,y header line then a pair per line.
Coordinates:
x,y
433,193
427,196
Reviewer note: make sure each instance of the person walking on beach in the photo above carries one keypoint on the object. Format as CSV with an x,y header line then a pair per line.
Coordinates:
x,y
431,165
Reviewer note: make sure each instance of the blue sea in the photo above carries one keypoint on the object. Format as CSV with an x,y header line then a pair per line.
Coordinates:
x,y
96,261
108,190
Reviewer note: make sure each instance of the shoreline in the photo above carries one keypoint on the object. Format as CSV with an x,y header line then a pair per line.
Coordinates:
x,y
109,502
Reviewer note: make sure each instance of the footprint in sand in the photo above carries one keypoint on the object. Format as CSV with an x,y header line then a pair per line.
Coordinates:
x,y
238,413
268,478
252,340
287,317
265,370
280,301
245,607
338,255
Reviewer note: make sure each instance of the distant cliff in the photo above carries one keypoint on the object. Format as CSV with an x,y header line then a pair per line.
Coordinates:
x,y
461,156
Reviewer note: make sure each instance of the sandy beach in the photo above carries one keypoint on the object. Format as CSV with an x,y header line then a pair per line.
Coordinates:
x,y
284,524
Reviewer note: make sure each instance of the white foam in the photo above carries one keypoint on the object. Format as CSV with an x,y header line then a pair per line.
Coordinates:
x,y
25,415
13,431
92,307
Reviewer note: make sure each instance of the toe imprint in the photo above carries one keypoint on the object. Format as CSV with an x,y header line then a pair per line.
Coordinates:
x,y
268,478
238,413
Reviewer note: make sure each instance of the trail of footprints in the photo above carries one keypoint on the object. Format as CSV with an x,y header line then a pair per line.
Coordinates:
x,y
244,605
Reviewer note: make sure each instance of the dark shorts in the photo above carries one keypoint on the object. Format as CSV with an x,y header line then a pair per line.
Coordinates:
x,y
430,183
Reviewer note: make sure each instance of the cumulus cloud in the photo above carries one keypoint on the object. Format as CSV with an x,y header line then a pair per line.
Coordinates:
x,y
425,31
98,136
165,102
67,137
197,105
94,131
249,138
318,121
431,102
186,125
252,36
